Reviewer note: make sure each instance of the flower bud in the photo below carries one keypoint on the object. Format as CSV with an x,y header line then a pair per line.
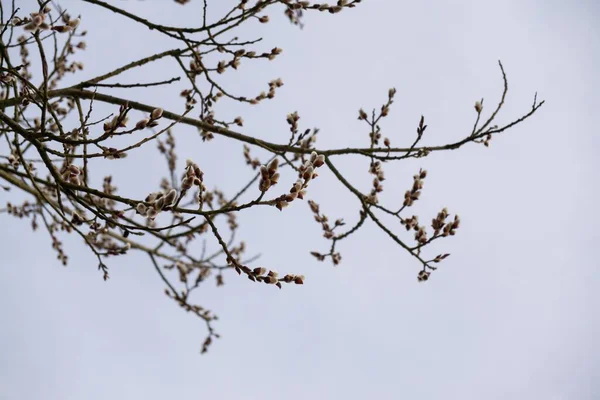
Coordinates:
x,y
141,208
156,113
141,124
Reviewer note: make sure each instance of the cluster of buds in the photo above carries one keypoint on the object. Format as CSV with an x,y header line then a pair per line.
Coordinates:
x,y
410,223
109,189
193,176
25,210
119,121
207,116
275,51
168,149
151,121
486,141
78,217
60,253
112,153
274,84
420,231
415,192
376,169
450,229
183,270
294,11
327,232
324,221
261,274
423,276
297,279
196,67
336,258
439,221
68,27
443,228
268,175
242,53
7,78
13,160
254,162
72,174
297,191
189,98
37,22
306,141
306,172
221,66
156,202
385,109
292,120
114,249
421,235
375,135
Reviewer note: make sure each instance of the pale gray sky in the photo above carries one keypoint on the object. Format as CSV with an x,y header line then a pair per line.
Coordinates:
x,y
511,314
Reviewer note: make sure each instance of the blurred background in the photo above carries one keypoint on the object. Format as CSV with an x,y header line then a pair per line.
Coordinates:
x,y
511,314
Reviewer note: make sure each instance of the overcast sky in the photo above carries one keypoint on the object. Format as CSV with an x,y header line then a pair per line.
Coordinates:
x,y
513,313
